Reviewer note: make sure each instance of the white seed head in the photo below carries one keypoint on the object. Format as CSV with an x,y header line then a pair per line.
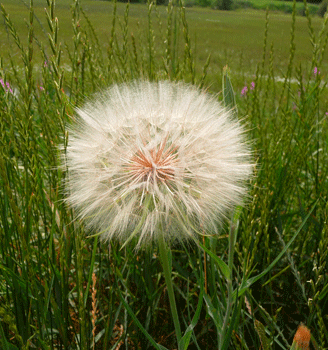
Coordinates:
x,y
155,158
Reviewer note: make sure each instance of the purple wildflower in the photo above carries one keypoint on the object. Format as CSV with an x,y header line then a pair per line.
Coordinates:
x,y
252,85
244,90
315,71
6,86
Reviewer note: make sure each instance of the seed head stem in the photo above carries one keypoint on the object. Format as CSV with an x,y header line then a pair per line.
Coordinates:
x,y
163,252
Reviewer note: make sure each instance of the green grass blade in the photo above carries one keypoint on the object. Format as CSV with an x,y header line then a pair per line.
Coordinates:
x,y
140,326
184,342
222,265
228,93
246,284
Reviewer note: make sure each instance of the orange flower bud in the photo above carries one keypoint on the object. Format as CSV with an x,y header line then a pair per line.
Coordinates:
x,y
302,338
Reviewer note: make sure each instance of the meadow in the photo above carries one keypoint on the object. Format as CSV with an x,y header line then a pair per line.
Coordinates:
x,y
249,287
278,5
225,37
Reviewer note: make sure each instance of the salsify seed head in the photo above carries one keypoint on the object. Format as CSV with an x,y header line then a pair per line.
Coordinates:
x,y
151,158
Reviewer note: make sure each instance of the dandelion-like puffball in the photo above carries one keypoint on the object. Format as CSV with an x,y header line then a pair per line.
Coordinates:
x,y
152,158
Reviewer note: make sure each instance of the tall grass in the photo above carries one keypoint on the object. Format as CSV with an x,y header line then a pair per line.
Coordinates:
x,y
61,290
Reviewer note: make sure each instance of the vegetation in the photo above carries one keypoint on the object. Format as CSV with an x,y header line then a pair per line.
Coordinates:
x,y
225,38
323,8
60,289
277,5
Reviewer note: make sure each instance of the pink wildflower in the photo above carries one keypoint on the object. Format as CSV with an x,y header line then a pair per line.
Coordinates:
x,y
6,86
244,90
315,71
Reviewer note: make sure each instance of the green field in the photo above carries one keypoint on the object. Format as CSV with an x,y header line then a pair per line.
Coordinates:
x,y
282,6
248,286
234,38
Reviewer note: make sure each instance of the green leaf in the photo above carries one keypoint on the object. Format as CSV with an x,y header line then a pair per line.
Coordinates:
x,y
232,325
140,326
246,284
184,342
228,93
222,265
5,345
323,292
213,312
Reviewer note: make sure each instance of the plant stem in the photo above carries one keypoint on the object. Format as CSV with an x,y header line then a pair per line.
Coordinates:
x,y
79,268
163,251
232,241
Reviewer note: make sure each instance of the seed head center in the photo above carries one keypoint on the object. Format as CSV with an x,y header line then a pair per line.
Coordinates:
x,y
154,165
